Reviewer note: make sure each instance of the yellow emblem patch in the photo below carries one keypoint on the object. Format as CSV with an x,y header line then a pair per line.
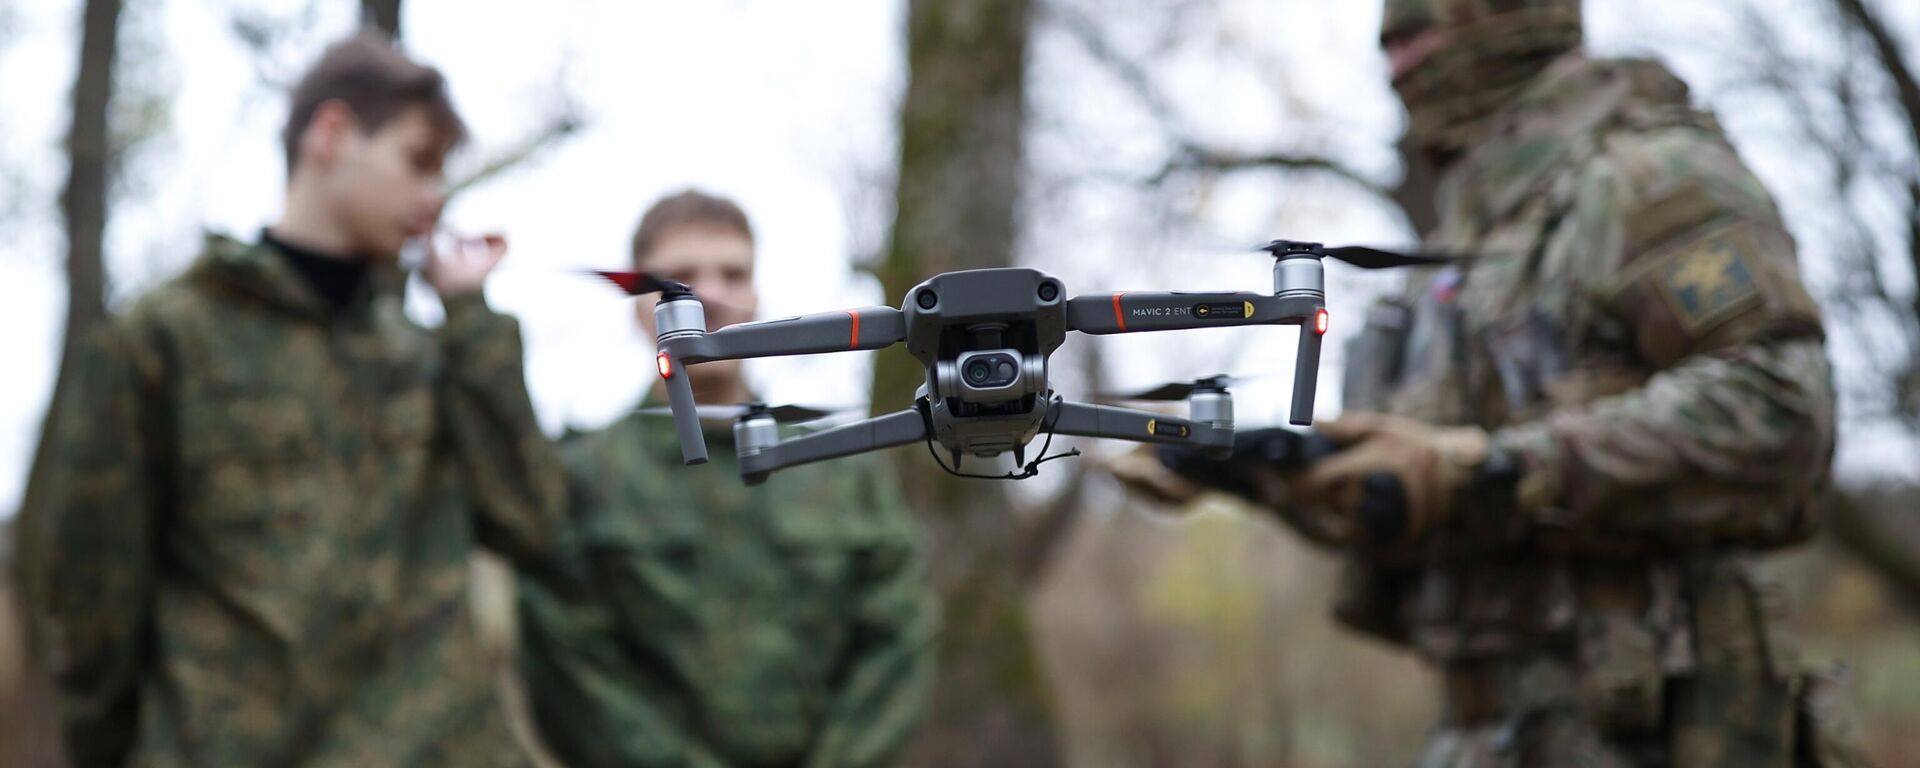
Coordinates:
x,y
1709,281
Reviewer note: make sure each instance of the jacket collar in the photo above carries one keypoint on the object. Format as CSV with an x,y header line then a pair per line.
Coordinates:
x,y
260,272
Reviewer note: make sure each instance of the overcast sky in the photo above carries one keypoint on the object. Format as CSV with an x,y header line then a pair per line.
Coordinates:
x,y
785,107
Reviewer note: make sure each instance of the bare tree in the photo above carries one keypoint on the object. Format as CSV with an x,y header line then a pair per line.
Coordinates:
x,y
1906,89
31,733
560,123
83,201
83,207
272,39
383,15
958,184
1190,155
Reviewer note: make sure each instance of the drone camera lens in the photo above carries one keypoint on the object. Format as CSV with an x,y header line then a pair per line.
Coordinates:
x,y
978,372
1049,291
927,299
1005,369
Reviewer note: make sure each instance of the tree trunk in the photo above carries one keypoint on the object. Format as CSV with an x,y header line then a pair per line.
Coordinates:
x,y
83,206
1417,187
383,15
83,202
960,166
31,737
1875,524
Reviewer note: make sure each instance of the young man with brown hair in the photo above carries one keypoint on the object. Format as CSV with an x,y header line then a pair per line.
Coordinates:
x,y
266,482
705,623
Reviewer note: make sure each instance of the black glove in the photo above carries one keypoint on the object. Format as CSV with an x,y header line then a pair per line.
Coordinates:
x,y
1384,509
1272,448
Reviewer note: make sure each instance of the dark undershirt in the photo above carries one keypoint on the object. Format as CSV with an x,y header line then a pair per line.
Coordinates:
x,y
336,278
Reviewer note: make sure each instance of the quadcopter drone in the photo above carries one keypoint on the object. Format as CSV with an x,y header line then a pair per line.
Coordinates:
x,y
984,337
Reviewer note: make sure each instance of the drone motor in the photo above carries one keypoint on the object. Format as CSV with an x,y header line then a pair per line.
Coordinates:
x,y
1297,270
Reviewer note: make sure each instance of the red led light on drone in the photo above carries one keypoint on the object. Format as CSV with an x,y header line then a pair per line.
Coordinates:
x,y
1320,321
665,364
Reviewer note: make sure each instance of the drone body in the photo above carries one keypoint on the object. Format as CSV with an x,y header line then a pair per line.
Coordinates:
x,y
984,337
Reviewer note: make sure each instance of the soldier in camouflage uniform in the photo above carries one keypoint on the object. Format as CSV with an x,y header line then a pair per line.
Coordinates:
x,y
266,483
1596,420
702,622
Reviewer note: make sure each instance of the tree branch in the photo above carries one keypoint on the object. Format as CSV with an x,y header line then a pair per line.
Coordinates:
x,y
1887,49
1906,88
1190,153
1860,522
1192,158
383,15
563,124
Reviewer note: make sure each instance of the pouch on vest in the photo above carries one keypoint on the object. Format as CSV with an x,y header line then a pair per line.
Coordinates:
x,y
1374,357
1633,635
1528,354
1826,722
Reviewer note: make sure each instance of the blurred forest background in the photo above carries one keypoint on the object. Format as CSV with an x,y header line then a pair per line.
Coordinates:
x,y
1115,143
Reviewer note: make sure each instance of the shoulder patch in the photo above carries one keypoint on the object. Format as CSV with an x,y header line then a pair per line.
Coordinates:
x,y
1709,279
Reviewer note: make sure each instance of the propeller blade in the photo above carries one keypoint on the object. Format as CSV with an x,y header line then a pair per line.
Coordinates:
x,y
1163,393
704,411
1173,392
784,414
1364,257
793,414
638,283
1379,258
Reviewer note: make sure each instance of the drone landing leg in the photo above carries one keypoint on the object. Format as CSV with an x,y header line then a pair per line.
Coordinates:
x,y
686,418
1306,374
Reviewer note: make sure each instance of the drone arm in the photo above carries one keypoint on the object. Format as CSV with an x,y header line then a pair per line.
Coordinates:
x,y
686,417
845,331
1089,420
1139,312
848,330
1132,312
898,428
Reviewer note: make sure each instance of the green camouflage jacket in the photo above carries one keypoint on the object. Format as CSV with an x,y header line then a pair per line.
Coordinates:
x,y
708,623
1634,332
258,520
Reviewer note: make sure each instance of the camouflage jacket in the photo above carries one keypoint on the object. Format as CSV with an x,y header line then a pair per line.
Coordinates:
x,y
1634,333
708,623
258,520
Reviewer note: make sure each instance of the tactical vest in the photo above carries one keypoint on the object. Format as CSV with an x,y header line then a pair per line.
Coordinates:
x,y
1519,332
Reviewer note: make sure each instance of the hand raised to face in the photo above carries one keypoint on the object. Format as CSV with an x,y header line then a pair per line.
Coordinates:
x,y
459,265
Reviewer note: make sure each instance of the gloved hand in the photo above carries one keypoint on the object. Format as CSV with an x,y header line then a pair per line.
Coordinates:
x,y
1258,454
1259,457
1432,465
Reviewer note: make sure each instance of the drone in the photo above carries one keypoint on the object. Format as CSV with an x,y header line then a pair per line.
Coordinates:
x,y
984,337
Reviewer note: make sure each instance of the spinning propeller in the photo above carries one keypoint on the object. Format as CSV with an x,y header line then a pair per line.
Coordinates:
x,y
1175,391
784,414
641,283
1362,256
